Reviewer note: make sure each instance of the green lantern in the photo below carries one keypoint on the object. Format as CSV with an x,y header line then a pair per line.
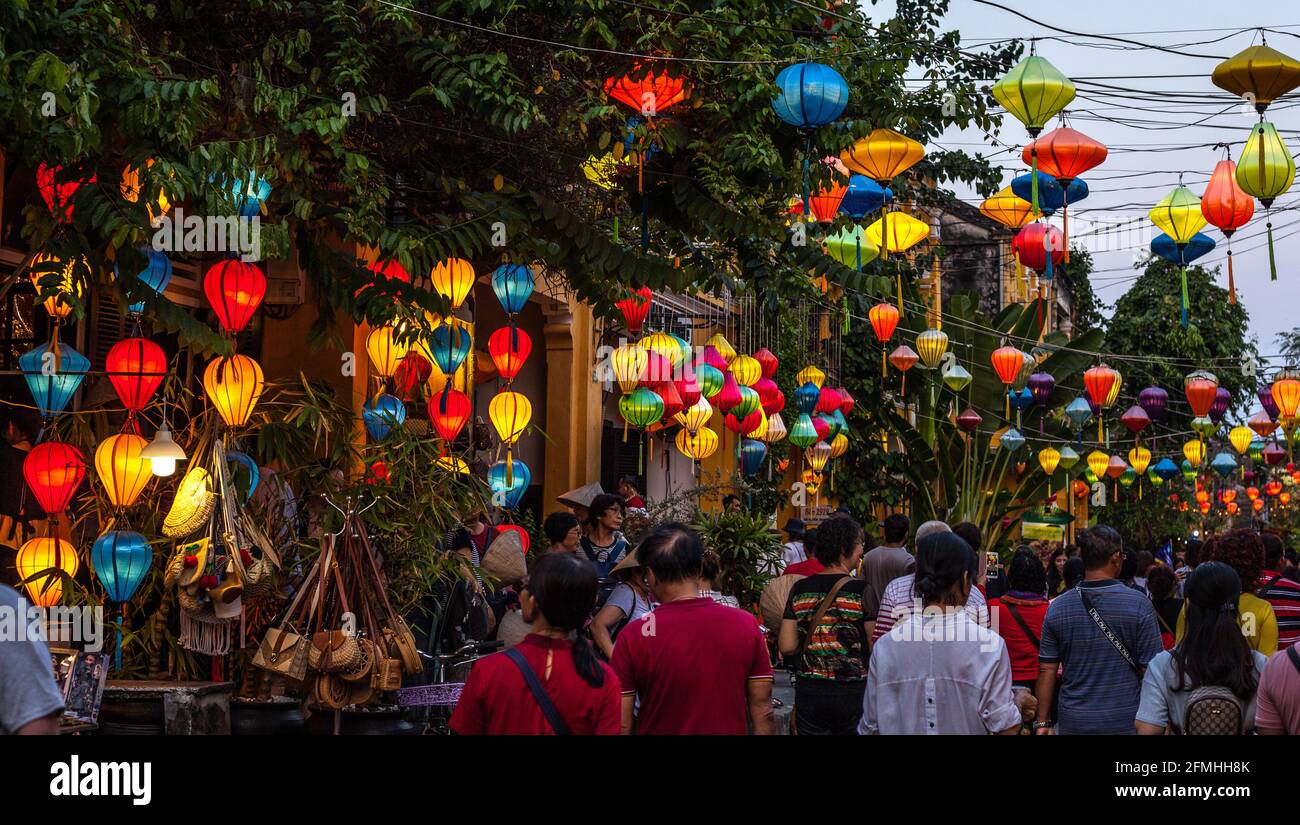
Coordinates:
x,y
803,434
641,407
1034,91
1189,472
1266,170
749,401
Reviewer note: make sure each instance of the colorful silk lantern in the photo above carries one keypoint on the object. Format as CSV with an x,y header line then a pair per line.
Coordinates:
x,y
1201,388
931,345
1007,363
957,377
811,374
824,204
1262,424
743,425
1008,209
903,359
864,196
884,320
729,396
769,396
746,369
1259,73
1194,451
509,348
511,413
42,554
1099,381
646,92
1227,206
1098,462
1033,91
1222,400
1155,401
1178,215
776,429
66,282
688,387
672,399
629,363
233,385
969,420
748,403
136,368
122,468
453,279
513,286
695,417
1240,438
53,470
1266,170
1285,392
53,379
1198,247
697,445
752,454
156,275
883,155
1065,154
828,400
384,413
722,347
635,308
508,493
1135,419
767,362
449,412
802,433
850,247
810,95
121,559
710,380
386,354
235,290
1011,440
903,232
1040,247
449,345
58,189
1139,457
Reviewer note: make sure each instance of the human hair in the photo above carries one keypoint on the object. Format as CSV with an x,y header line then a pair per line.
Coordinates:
x,y
1097,545
1144,560
672,551
1241,550
1192,552
1025,573
836,539
728,498
1054,576
1073,572
710,566
1272,550
630,481
602,504
1071,551
558,525
1213,650
895,527
970,533
810,543
929,528
1161,583
942,559
565,587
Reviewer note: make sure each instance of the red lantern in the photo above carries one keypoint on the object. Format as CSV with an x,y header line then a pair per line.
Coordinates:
x,y
1079,488
647,93
667,390
822,427
54,470
770,397
743,426
509,348
1065,154
688,388
1200,388
56,192
390,270
829,400
658,369
1257,505
449,412
884,320
846,401
636,308
825,203
1135,418
1007,363
1227,206
1032,242
766,361
235,289
1099,381
729,396
136,368
414,369
524,539
714,358
1273,488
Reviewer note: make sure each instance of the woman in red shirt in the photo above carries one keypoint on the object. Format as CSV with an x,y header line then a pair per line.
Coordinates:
x,y
1018,615
509,692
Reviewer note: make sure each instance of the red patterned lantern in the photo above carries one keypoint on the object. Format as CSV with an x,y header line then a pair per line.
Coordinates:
x,y
449,412
829,400
509,348
767,361
136,368
414,369
54,470
235,290
636,308
1099,381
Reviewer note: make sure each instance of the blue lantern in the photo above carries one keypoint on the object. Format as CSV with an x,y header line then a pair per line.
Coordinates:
x,y
629,142
250,466
450,347
383,414
53,392
863,197
806,398
513,285
832,426
810,95
1166,469
156,275
1023,400
121,559
508,495
1012,440
1051,196
752,453
249,194
1164,246
1223,464
841,424
1079,412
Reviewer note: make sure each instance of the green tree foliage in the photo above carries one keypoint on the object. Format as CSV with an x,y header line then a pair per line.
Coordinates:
x,y
1087,306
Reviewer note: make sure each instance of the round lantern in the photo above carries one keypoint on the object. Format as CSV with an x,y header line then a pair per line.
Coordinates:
x,y
817,455
1194,452
449,411
1033,91
235,290
710,380
811,375
1222,400
414,369
698,445
1049,458
628,363
688,387
509,348
743,425
884,320
1139,458
769,396
234,386
511,412
1285,392
636,308
513,286
386,354
752,454
665,346
667,391
810,95
747,370
1007,362
136,368
1098,462
450,346
883,155
767,362
122,469
1099,381
695,417
57,189
1033,243
828,400
121,559
1201,388
383,414
1155,402
749,402
453,279
931,346
1008,209
839,445
807,397
42,554
53,471
722,347
508,483
53,389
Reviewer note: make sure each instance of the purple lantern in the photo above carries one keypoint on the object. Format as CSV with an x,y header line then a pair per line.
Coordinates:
x,y
1222,398
1265,394
1155,401
969,420
1041,385
1135,418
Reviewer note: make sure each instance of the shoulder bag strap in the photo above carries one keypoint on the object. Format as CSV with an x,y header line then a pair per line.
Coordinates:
x,y
1015,614
1294,656
1164,624
539,693
822,610
1266,585
1107,632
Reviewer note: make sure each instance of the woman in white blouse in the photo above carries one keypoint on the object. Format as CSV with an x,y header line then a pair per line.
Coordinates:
x,y
939,672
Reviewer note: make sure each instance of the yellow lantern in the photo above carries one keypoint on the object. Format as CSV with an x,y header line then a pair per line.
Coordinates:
x,y
665,345
839,445
1241,437
883,155
1008,209
904,232
453,464
695,417
697,446
233,386
812,480
629,363
1259,73
746,370
719,342
1178,215
385,353
810,374
931,346
602,170
1194,452
68,283
817,455
510,413
1097,462
759,433
122,469
1139,458
43,554
1033,92
130,188
1049,458
453,279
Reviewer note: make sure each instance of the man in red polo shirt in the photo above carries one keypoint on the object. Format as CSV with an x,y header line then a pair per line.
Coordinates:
x,y
1280,592
698,667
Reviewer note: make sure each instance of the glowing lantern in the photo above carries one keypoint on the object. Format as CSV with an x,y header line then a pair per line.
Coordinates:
x,y
803,433
672,399
1154,401
884,320
666,346
752,453
510,413
1007,363
1098,462
513,286
382,414
42,554
810,95
769,395
1099,381
508,483
1266,170
697,445
1194,452
121,559
449,411
722,347
414,369
729,396
747,370
1286,394
629,363
696,416
136,368
509,348
776,429
641,89
1049,458
747,404
767,362
1201,388
235,290
233,386
710,380
1008,209
386,354
1240,438
163,452
1227,206
903,232
1140,458
903,359
450,346
453,279
1262,424
824,204
53,471
1115,467
131,189
53,380
931,346
42,266
1257,505
641,407
811,375
122,469
636,308
58,191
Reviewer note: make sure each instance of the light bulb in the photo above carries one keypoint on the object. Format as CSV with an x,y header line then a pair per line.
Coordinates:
x,y
162,467
163,453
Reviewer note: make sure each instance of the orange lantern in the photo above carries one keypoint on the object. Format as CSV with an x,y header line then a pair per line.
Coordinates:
x,y
233,386
1232,508
1257,505
453,279
122,469
1252,493
1286,394
903,359
1202,496
68,284
42,554
641,89
1008,363
1099,381
1079,488
1200,388
53,470
1284,497
1227,206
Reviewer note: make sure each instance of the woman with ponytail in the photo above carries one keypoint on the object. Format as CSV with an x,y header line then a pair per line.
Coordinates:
x,y
939,672
551,682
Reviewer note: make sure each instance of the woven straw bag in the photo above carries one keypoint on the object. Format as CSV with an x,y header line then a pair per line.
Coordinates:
x,y
257,578
192,506
369,654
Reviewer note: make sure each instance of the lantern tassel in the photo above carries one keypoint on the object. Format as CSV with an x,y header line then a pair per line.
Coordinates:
x,y
1232,284
1182,271
510,466
1065,230
845,305
884,245
1272,261
1033,178
624,430
1007,413
807,154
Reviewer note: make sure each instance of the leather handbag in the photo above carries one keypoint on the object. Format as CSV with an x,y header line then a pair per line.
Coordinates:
x,y
400,641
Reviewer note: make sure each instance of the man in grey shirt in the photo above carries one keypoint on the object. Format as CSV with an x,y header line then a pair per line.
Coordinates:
x,y
30,700
881,565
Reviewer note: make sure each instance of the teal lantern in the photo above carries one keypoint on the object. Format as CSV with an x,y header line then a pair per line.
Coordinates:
x,y
1256,449
1128,477
1189,472
806,398
450,347
1223,464
840,424
513,286
710,380
508,483
752,453
749,401
383,414
121,559
156,275
803,434
244,461
53,378
1012,440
